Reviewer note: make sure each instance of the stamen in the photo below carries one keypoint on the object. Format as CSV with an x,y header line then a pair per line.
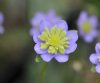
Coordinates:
x,y
86,26
44,46
54,40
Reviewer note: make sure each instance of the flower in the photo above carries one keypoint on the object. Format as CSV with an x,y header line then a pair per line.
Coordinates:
x,y
77,66
95,57
1,22
39,16
35,22
55,41
87,26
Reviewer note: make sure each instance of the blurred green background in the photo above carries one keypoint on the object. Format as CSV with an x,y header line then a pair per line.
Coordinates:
x,y
17,55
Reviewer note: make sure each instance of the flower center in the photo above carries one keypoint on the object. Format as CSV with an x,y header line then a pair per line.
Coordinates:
x,y
86,26
54,40
98,58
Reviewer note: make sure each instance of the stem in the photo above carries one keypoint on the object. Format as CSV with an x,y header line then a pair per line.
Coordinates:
x,y
43,71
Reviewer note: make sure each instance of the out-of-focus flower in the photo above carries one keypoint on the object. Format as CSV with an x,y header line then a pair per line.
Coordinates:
x,y
39,16
95,57
77,66
55,41
87,26
1,22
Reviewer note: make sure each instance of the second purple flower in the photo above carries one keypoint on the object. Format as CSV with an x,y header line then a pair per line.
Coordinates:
x,y
87,26
95,57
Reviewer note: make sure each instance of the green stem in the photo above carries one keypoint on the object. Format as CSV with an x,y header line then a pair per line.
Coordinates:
x,y
43,71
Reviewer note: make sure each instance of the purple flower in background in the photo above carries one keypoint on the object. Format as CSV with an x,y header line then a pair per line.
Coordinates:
x,y
1,22
35,22
55,41
39,16
87,26
95,57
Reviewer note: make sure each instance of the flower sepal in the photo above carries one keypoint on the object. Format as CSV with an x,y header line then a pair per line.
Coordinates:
x,y
38,59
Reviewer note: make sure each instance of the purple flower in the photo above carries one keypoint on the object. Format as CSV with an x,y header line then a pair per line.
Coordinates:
x,y
39,16
95,57
1,22
87,26
55,41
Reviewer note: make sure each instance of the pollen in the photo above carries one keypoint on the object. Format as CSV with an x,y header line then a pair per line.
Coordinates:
x,y
86,26
54,40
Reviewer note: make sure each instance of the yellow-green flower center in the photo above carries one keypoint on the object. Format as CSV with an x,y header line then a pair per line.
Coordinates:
x,y
54,40
86,27
98,58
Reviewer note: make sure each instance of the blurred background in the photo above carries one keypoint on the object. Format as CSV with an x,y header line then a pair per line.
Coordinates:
x,y
17,55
